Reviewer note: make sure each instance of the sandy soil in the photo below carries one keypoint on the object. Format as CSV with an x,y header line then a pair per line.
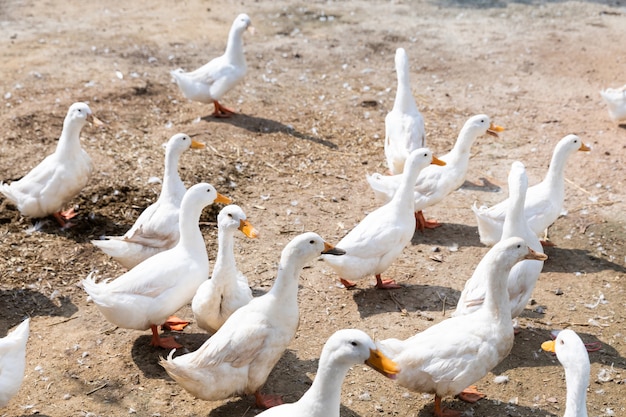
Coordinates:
x,y
321,80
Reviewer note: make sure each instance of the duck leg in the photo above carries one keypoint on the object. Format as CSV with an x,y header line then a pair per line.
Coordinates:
x,y
471,394
266,401
545,242
442,411
221,111
62,217
163,342
386,284
174,323
346,283
421,223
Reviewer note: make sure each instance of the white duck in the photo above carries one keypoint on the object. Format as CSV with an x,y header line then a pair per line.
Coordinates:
x,y
238,358
544,201
148,294
455,353
60,177
571,352
13,361
524,275
343,349
615,98
404,124
156,229
210,82
227,290
434,183
382,235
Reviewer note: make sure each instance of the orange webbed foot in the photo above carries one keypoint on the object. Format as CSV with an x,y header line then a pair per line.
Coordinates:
x,y
421,223
471,394
442,411
221,111
386,284
62,217
347,284
174,323
163,342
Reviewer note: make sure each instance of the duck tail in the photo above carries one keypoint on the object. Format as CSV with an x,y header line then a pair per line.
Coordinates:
x,y
93,288
20,333
489,229
5,189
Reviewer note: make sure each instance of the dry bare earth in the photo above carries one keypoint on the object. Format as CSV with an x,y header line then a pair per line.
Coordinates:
x,y
320,82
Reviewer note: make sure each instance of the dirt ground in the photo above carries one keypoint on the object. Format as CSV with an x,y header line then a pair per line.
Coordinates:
x,y
321,80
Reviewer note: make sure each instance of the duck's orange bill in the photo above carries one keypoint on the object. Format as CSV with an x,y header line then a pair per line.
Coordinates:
x,y
437,161
248,229
382,364
196,145
533,255
331,250
222,199
584,147
494,129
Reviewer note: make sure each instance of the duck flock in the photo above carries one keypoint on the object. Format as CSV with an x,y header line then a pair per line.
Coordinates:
x,y
168,265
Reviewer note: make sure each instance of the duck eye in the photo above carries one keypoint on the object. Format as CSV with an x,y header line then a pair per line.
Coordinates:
x,y
354,343
519,246
311,242
425,154
230,215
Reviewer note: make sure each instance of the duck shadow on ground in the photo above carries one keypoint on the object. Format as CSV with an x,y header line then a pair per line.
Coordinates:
x,y
499,4
289,378
17,304
448,234
485,407
527,351
576,260
261,125
246,407
85,227
147,357
371,301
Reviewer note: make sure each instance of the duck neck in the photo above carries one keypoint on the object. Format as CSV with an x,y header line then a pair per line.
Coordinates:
x,y
69,141
323,399
171,179
404,195
556,171
234,47
514,222
577,381
496,295
285,288
190,234
404,98
460,153
225,257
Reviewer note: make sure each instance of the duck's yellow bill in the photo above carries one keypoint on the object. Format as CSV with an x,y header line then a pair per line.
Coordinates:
x,y
548,346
